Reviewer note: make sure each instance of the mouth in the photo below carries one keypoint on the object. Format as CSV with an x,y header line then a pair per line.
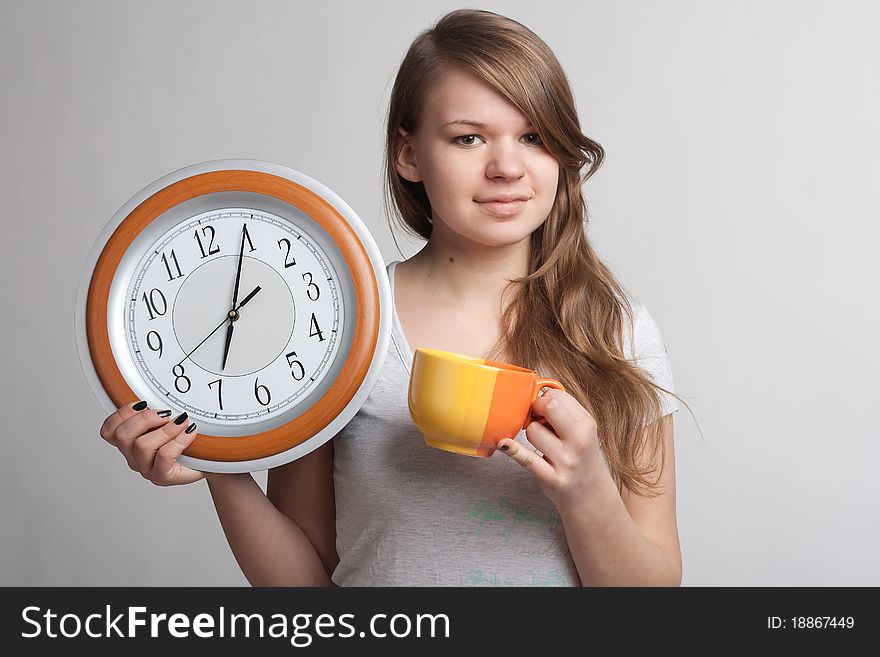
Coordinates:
x,y
503,208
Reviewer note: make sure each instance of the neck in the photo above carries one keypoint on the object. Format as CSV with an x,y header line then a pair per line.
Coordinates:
x,y
470,278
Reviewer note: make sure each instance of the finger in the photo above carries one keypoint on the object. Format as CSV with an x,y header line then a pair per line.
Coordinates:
x,y
134,427
563,412
112,422
550,403
166,469
145,445
535,464
545,441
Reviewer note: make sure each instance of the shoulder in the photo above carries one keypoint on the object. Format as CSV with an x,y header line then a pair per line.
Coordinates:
x,y
643,344
641,333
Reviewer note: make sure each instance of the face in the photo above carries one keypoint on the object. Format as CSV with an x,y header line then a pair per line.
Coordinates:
x,y
490,181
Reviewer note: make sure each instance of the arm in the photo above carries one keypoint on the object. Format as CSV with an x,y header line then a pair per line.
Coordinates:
x,y
630,540
272,548
615,539
303,491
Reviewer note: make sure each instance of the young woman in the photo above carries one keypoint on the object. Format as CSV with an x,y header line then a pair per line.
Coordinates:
x,y
485,160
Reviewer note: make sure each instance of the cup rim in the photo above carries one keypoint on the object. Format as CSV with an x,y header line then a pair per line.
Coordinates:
x,y
471,360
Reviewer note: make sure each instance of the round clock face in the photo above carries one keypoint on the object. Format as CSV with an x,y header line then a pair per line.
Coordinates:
x,y
246,294
283,332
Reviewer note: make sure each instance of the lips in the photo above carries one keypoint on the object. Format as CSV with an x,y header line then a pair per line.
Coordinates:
x,y
504,198
504,208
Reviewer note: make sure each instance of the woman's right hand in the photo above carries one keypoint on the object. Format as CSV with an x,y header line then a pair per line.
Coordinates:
x,y
151,443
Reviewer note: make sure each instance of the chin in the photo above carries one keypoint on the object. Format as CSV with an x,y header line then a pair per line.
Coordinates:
x,y
507,236
495,232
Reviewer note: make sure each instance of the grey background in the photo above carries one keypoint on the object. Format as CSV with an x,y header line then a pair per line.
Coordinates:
x,y
737,201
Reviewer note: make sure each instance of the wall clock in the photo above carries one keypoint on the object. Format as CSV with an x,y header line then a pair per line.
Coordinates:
x,y
248,295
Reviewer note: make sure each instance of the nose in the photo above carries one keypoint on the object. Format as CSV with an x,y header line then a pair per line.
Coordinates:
x,y
505,161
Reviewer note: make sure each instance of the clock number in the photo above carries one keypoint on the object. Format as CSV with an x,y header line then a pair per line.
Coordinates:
x,y
153,306
211,248
150,343
290,365
315,330
219,383
258,388
284,240
171,276
180,377
311,285
247,236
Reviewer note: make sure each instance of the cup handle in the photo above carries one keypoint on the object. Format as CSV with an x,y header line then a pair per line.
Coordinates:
x,y
539,384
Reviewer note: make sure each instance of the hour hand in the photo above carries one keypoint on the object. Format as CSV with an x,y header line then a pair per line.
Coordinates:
x,y
250,296
233,315
228,341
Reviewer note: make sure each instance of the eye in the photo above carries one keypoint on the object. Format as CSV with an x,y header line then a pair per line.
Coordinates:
x,y
461,140
534,139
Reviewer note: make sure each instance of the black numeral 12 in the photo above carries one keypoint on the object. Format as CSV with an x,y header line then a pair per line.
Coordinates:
x,y
211,248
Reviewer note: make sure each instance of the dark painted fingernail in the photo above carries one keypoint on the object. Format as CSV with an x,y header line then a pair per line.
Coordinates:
x,y
191,428
504,448
165,413
141,405
180,419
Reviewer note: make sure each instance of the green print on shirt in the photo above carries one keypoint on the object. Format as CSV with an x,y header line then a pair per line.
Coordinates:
x,y
503,516
477,577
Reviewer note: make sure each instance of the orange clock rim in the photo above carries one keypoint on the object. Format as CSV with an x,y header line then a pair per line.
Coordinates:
x,y
366,292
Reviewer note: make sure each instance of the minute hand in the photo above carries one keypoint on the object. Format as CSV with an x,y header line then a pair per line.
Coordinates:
x,y
232,317
220,325
238,270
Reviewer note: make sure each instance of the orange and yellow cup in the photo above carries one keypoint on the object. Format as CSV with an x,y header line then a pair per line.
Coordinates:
x,y
466,405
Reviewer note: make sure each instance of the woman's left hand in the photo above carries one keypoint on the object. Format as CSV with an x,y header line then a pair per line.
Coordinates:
x,y
572,465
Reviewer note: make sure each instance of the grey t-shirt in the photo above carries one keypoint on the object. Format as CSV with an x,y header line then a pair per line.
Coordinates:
x,y
412,515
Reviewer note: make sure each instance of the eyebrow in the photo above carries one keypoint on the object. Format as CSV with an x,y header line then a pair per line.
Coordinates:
x,y
477,124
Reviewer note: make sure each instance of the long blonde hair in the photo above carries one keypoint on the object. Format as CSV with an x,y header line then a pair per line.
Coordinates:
x,y
573,308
